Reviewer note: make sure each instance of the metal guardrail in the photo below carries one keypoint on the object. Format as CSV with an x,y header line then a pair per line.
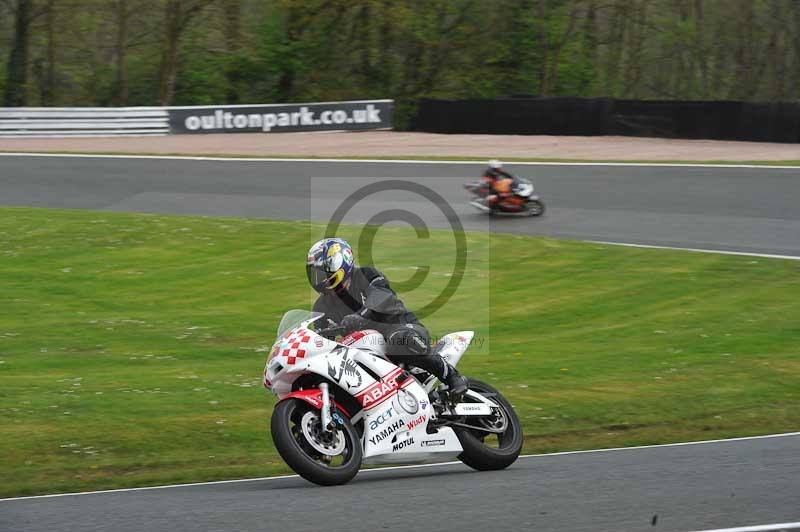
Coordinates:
x,y
40,122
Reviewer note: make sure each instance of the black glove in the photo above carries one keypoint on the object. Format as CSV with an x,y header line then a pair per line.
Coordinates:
x,y
354,322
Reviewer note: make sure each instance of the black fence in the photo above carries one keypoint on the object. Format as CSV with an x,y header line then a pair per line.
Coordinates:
x,y
721,120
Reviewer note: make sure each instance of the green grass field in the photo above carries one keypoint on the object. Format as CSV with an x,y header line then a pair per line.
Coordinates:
x,y
131,346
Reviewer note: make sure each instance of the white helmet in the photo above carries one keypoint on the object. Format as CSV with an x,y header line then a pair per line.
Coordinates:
x,y
494,163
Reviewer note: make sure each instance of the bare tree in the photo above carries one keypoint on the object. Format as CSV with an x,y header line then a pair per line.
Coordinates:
x,y
177,16
49,88
551,78
700,46
121,89
233,43
617,29
16,89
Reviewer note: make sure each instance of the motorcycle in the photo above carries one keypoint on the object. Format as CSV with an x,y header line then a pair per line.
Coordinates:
x,y
343,403
526,202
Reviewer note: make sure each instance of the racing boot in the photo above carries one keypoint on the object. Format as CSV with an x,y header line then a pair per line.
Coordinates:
x,y
457,384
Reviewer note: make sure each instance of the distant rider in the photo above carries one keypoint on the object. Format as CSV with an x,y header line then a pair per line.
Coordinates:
x,y
502,186
359,298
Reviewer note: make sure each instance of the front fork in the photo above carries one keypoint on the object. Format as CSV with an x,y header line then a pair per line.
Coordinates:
x,y
325,411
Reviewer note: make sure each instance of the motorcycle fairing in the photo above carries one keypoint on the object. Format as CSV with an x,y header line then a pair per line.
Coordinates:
x,y
367,340
441,446
397,428
313,397
455,344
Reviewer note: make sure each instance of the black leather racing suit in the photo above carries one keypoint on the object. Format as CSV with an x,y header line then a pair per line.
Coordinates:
x,y
370,295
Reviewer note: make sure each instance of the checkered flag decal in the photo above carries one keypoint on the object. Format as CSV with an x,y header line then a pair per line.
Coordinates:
x,y
296,346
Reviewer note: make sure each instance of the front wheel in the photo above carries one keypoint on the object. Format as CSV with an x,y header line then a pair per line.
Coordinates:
x,y
495,441
323,457
535,207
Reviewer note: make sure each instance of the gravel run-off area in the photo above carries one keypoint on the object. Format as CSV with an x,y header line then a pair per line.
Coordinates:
x,y
405,144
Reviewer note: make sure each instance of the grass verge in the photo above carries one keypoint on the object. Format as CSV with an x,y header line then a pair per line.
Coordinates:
x,y
131,346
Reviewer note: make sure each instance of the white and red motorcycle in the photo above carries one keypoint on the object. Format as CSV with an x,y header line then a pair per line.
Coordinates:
x,y
344,403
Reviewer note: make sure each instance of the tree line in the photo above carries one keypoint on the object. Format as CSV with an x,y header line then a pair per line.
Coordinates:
x,y
185,52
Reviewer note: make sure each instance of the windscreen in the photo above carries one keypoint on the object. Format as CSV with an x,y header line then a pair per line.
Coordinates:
x,y
293,318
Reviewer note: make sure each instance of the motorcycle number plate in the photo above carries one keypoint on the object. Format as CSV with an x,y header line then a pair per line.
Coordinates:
x,y
472,409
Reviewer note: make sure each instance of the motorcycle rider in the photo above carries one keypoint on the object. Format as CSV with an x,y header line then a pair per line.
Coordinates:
x,y
359,298
502,186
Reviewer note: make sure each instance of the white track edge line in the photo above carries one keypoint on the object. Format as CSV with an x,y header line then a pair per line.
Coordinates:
x,y
213,482
696,250
660,445
386,161
416,466
756,528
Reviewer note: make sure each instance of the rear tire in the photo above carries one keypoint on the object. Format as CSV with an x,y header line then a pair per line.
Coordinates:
x,y
478,455
304,455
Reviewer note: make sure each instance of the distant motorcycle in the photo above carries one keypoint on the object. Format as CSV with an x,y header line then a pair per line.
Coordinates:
x,y
523,203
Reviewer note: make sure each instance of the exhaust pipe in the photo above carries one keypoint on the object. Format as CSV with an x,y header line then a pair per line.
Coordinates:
x,y
479,205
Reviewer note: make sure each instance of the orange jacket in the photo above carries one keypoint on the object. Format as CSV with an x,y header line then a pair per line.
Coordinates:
x,y
500,186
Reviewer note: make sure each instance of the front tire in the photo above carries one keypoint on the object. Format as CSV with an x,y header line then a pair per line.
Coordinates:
x,y
477,453
536,207
327,461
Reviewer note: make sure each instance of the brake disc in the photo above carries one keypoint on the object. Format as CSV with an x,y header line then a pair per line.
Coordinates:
x,y
329,444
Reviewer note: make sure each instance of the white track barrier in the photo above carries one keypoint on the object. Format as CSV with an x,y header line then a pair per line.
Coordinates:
x,y
83,121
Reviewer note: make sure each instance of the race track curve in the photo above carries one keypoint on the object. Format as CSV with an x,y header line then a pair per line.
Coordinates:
x,y
668,488
721,208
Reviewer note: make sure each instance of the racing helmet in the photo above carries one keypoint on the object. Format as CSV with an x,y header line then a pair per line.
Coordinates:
x,y
330,264
495,164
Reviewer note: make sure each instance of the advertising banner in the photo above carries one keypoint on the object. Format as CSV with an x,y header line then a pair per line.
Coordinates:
x,y
331,116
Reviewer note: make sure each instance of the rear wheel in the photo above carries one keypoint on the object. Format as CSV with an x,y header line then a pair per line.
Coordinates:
x,y
496,440
322,457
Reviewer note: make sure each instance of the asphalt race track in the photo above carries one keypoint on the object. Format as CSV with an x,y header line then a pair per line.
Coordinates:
x,y
734,209
668,488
